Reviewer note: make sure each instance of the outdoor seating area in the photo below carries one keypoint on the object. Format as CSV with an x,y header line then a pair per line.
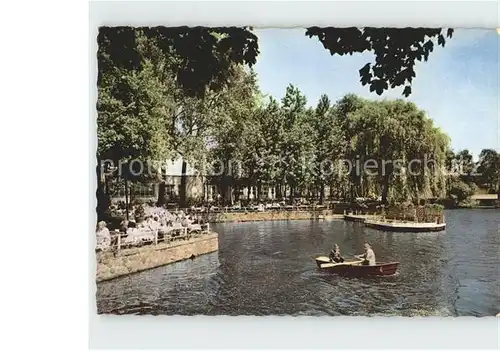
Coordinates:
x,y
155,225
259,207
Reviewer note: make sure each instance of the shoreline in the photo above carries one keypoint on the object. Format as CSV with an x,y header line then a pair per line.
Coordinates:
x,y
111,265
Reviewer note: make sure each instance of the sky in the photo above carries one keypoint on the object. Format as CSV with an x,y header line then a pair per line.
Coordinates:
x,y
458,87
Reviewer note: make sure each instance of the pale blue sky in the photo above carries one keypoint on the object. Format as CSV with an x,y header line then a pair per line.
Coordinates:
x,y
458,86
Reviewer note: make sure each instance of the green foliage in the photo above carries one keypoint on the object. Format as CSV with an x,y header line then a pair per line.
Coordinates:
x,y
398,137
396,51
288,144
200,57
434,207
489,169
132,112
190,93
460,191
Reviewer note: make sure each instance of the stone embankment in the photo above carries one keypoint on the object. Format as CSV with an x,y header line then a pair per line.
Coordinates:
x,y
112,264
270,216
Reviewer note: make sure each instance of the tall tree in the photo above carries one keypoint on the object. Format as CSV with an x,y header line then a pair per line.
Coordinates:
x,y
489,169
296,149
132,112
344,110
387,138
326,142
236,113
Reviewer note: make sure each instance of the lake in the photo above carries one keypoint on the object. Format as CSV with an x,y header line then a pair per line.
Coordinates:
x,y
268,268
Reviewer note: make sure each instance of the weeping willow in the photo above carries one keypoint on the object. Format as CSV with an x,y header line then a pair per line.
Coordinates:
x,y
409,150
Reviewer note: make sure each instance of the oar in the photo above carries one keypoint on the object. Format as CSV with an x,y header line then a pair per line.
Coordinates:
x,y
333,264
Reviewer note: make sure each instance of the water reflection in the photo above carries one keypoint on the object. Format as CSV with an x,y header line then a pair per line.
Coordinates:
x,y
267,268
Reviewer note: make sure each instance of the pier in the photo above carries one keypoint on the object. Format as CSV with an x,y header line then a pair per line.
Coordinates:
x,y
397,226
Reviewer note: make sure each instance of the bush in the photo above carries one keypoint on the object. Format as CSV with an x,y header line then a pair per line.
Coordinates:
x,y
461,191
465,204
446,203
435,207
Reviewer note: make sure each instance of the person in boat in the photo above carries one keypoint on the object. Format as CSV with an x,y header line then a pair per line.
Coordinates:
x,y
368,257
335,255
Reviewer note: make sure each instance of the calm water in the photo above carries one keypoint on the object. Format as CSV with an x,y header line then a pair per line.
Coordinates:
x,y
267,268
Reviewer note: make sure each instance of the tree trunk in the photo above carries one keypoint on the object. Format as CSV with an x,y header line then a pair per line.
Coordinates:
x,y
236,193
228,193
182,190
106,186
102,198
498,192
321,193
162,193
385,188
126,194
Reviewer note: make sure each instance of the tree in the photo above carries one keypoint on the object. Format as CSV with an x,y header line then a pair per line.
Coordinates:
x,y
461,191
396,51
489,169
296,148
343,111
132,111
231,127
200,57
204,55
389,144
264,142
326,142
167,92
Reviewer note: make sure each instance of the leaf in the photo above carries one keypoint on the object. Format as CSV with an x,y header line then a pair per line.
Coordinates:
x,y
407,91
441,40
395,49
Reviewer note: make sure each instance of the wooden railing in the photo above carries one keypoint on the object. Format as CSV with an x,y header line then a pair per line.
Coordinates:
x,y
227,209
120,240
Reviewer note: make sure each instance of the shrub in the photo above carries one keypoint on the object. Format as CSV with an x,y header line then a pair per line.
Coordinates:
x,y
435,207
461,191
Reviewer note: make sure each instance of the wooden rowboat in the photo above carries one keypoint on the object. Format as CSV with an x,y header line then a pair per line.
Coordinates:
x,y
324,262
355,268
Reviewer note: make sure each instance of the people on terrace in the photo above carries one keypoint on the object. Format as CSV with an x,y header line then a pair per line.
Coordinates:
x,y
103,236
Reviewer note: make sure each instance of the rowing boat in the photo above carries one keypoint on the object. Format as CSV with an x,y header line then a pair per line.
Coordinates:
x,y
325,262
355,268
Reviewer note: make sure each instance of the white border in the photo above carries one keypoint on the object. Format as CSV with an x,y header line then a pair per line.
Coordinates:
x,y
278,332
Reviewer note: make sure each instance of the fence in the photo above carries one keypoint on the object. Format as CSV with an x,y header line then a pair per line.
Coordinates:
x,y
417,214
255,209
120,240
421,214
